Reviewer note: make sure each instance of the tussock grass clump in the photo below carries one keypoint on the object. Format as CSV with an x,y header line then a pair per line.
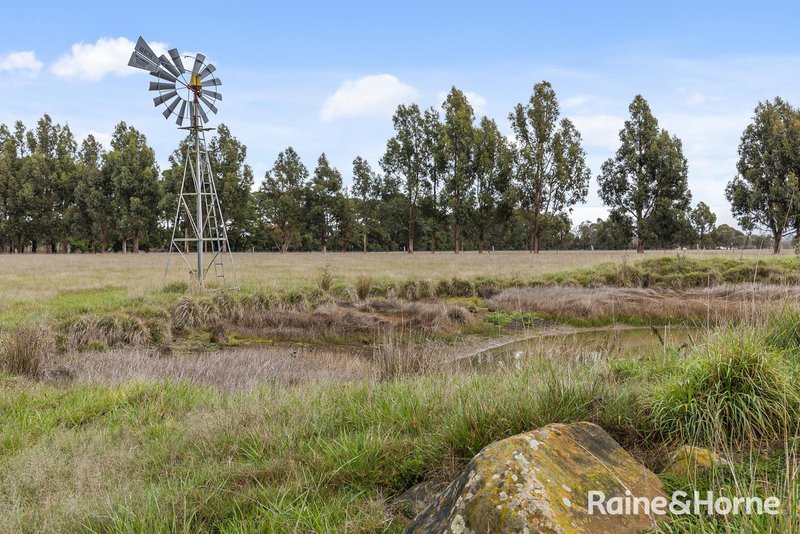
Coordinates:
x,y
398,356
24,350
736,391
363,285
325,279
90,331
176,287
455,287
783,331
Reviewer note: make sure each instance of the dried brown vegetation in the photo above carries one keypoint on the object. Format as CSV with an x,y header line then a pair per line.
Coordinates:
x,y
227,370
715,305
23,351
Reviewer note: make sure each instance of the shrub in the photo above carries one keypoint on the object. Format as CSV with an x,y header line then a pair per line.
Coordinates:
x,y
735,390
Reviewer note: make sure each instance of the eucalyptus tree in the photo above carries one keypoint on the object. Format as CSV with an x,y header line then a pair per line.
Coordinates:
x,y
765,192
80,216
703,221
37,179
65,182
405,159
233,179
494,164
9,187
322,195
435,168
459,150
366,188
281,196
133,174
648,173
170,188
552,175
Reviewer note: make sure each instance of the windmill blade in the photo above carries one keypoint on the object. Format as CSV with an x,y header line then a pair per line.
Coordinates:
x,y
181,112
208,103
157,101
202,113
212,82
208,70
143,56
176,59
214,95
164,76
140,62
171,107
167,65
162,86
199,59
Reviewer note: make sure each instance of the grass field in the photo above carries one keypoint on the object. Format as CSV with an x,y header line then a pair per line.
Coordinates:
x,y
331,395
32,285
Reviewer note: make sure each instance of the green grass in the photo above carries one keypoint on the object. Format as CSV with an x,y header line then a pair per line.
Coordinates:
x,y
504,318
164,458
736,389
276,459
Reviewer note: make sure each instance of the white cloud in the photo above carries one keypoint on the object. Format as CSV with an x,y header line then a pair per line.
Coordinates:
x,y
478,102
599,130
94,61
20,61
369,96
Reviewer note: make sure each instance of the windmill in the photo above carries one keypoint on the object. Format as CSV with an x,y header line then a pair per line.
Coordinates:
x,y
187,88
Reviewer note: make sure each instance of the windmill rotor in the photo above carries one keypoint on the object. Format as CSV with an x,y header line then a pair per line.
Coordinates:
x,y
176,85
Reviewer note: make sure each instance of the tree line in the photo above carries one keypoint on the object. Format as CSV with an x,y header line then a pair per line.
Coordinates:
x,y
446,181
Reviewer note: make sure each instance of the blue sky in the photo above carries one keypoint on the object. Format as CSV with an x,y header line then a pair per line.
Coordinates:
x,y
326,76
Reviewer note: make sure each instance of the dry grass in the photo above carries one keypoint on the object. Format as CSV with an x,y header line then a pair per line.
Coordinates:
x,y
22,351
227,370
716,305
29,278
398,357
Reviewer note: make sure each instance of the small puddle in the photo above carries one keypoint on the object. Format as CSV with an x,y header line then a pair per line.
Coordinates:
x,y
586,346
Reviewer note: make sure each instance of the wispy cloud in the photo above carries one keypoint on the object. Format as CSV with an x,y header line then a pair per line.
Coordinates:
x,y
370,96
20,61
93,62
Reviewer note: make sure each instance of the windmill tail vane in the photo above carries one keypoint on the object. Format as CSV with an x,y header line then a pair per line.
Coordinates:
x,y
187,87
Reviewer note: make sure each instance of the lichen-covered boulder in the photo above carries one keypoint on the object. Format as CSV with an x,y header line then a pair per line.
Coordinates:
x,y
540,481
687,461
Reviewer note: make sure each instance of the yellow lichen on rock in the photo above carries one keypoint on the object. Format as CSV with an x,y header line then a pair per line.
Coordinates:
x,y
539,482
687,461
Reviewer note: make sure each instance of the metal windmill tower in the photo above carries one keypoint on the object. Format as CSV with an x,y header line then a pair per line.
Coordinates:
x,y
189,94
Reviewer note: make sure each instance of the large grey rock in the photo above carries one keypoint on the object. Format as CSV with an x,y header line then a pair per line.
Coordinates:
x,y
539,482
